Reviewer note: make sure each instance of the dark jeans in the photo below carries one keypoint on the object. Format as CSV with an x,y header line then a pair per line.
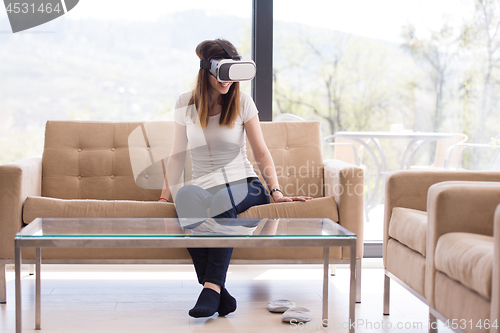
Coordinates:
x,y
224,201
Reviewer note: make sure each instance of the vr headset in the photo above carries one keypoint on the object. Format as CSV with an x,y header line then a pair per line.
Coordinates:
x,y
231,69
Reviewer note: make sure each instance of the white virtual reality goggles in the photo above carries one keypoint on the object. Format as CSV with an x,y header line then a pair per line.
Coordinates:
x,y
232,69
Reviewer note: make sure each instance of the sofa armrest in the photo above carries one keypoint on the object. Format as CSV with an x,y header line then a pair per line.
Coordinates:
x,y
457,207
495,290
18,180
408,189
345,182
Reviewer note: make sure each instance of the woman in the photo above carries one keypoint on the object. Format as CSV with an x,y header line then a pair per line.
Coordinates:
x,y
213,120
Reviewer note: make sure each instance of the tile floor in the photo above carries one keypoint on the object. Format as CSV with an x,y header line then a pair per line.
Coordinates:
x,y
137,298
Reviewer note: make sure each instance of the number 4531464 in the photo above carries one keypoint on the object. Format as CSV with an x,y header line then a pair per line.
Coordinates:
x,y
19,7
463,324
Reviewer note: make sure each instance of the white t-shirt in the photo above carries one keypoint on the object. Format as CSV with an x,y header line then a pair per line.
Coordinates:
x,y
218,153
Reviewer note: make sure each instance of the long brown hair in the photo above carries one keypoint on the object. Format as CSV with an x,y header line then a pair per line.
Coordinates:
x,y
230,102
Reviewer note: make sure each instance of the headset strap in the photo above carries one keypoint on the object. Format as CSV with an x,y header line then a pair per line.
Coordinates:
x,y
205,64
229,52
225,47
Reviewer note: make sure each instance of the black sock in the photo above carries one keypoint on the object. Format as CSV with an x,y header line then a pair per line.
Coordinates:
x,y
227,303
207,304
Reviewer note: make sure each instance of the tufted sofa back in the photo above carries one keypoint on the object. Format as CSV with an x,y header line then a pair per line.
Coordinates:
x,y
92,159
296,149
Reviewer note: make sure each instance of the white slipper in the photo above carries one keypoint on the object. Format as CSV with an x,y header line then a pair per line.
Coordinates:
x,y
297,314
280,305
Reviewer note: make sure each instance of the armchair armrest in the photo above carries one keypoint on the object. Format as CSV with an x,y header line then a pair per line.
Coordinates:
x,y
18,180
457,207
408,189
345,182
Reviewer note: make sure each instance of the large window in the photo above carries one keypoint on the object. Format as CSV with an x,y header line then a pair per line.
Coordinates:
x,y
364,65
357,65
106,60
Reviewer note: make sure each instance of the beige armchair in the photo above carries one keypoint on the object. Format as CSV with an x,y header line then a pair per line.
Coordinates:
x,y
405,248
461,286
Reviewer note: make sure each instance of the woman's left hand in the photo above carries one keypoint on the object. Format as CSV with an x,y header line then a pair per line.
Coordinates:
x,y
290,199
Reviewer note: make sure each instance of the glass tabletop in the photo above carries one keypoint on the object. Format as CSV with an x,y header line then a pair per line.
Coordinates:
x,y
173,227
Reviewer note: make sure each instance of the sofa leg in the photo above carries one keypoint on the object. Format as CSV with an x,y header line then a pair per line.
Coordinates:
x,y
433,323
32,269
387,287
332,269
358,280
3,283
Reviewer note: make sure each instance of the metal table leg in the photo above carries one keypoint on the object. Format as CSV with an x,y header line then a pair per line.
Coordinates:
x,y
352,288
19,319
387,294
326,282
38,312
3,283
358,280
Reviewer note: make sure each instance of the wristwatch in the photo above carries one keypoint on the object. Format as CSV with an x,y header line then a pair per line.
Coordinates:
x,y
275,190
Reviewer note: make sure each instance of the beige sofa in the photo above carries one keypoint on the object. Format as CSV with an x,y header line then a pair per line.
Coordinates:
x,y
86,171
415,218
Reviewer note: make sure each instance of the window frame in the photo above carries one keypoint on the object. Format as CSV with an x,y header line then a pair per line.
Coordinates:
x,y
262,54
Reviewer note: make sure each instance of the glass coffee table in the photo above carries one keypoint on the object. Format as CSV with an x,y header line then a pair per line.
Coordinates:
x,y
183,233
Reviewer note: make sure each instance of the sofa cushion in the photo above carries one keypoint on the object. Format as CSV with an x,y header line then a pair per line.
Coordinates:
x,y
316,208
49,207
468,259
409,227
